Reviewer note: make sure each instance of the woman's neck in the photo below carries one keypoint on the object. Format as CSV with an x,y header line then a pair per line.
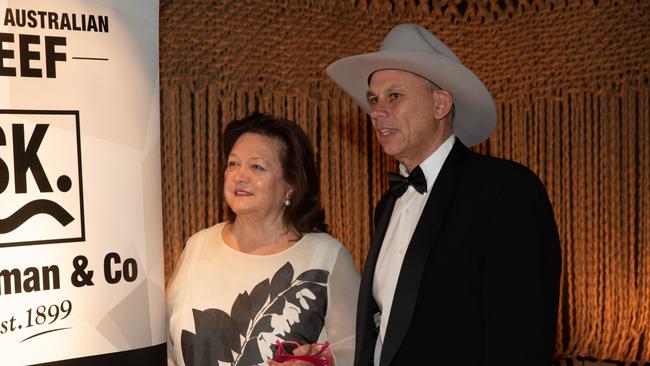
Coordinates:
x,y
258,237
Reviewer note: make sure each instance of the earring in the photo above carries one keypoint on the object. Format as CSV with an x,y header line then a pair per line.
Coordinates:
x,y
287,201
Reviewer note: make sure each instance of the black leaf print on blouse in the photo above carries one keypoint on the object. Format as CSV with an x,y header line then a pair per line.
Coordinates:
x,y
219,341
281,280
280,308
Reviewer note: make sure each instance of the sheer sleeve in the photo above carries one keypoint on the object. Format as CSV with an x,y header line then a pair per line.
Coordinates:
x,y
170,297
342,309
173,296
171,360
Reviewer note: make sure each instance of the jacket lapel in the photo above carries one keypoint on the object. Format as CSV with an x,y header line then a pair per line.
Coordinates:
x,y
417,255
366,308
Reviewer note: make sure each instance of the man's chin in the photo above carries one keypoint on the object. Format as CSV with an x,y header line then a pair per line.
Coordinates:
x,y
390,149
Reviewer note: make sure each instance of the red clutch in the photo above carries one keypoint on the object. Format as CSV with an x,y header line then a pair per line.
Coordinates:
x,y
318,358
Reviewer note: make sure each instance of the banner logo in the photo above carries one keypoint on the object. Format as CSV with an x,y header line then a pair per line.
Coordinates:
x,y
41,196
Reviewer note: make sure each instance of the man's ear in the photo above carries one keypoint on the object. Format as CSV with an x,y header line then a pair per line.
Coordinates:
x,y
443,102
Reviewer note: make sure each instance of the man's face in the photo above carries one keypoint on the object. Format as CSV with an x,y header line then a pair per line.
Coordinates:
x,y
403,113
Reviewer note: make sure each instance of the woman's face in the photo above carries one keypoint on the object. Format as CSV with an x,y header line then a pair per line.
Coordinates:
x,y
254,184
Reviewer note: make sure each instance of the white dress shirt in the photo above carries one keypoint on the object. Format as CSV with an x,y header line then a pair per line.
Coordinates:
x,y
403,221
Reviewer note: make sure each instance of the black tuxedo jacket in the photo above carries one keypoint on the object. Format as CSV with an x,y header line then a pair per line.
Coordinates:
x,y
480,279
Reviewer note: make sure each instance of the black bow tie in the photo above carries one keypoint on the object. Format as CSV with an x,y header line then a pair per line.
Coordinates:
x,y
399,184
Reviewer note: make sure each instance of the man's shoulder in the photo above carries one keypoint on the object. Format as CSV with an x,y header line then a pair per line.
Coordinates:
x,y
499,169
503,180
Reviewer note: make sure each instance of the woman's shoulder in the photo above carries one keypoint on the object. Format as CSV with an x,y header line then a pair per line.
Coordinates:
x,y
329,253
195,247
323,240
203,237
325,246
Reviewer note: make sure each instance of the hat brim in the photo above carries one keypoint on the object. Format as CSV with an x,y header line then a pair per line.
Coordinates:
x,y
475,115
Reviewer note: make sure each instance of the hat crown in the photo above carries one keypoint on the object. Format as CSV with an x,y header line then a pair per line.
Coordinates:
x,y
412,37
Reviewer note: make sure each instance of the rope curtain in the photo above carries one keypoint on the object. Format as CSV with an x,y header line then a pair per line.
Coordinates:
x,y
571,80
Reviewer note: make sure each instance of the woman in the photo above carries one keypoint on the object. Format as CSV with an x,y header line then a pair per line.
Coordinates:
x,y
271,273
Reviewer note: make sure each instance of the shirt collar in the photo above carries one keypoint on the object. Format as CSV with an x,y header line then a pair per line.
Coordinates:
x,y
432,165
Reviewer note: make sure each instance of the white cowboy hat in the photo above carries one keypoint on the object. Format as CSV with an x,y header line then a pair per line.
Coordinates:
x,y
410,47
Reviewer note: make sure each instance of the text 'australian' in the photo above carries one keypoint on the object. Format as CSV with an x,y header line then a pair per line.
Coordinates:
x,y
52,20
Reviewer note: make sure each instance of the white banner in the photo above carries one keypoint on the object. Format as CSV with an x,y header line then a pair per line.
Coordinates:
x,y
81,268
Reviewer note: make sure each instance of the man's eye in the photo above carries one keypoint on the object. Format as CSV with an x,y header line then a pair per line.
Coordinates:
x,y
394,95
372,100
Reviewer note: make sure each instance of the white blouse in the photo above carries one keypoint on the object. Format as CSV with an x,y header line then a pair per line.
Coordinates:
x,y
225,307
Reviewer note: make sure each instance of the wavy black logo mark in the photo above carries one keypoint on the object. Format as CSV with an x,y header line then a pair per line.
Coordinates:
x,y
26,159
32,209
40,174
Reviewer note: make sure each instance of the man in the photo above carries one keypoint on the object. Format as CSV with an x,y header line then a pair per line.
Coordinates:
x,y
465,260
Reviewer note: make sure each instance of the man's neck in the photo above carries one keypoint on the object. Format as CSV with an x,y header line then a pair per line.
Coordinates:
x,y
411,164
